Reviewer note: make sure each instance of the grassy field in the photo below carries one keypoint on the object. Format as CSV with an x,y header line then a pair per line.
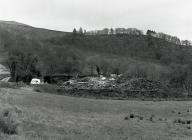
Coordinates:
x,y
43,116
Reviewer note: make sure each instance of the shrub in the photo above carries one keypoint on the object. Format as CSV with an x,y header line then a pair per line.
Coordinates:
x,y
8,122
46,88
7,85
132,116
11,85
126,118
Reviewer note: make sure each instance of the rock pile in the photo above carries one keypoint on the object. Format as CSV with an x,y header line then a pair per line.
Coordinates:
x,y
88,83
141,84
130,88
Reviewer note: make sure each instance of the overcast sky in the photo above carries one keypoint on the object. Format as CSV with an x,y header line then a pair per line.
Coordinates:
x,y
168,16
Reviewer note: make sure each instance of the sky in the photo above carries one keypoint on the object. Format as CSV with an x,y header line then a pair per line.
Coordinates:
x,y
168,16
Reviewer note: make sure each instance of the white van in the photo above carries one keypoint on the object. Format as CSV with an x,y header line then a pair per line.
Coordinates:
x,y
35,81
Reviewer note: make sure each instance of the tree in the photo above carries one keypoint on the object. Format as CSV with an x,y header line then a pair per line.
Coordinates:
x,y
105,31
94,64
80,31
186,42
134,31
74,35
111,31
11,63
84,31
150,32
74,32
22,66
98,70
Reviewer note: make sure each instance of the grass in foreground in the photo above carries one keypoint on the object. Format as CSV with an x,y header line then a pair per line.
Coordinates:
x,y
43,116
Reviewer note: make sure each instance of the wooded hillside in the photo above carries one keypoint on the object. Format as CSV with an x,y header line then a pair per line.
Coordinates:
x,y
32,51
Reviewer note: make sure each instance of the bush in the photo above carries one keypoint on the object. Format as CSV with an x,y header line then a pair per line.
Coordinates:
x,y
46,88
8,122
11,85
7,85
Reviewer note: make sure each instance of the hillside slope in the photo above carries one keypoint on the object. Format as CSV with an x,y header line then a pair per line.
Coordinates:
x,y
19,29
14,34
61,52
